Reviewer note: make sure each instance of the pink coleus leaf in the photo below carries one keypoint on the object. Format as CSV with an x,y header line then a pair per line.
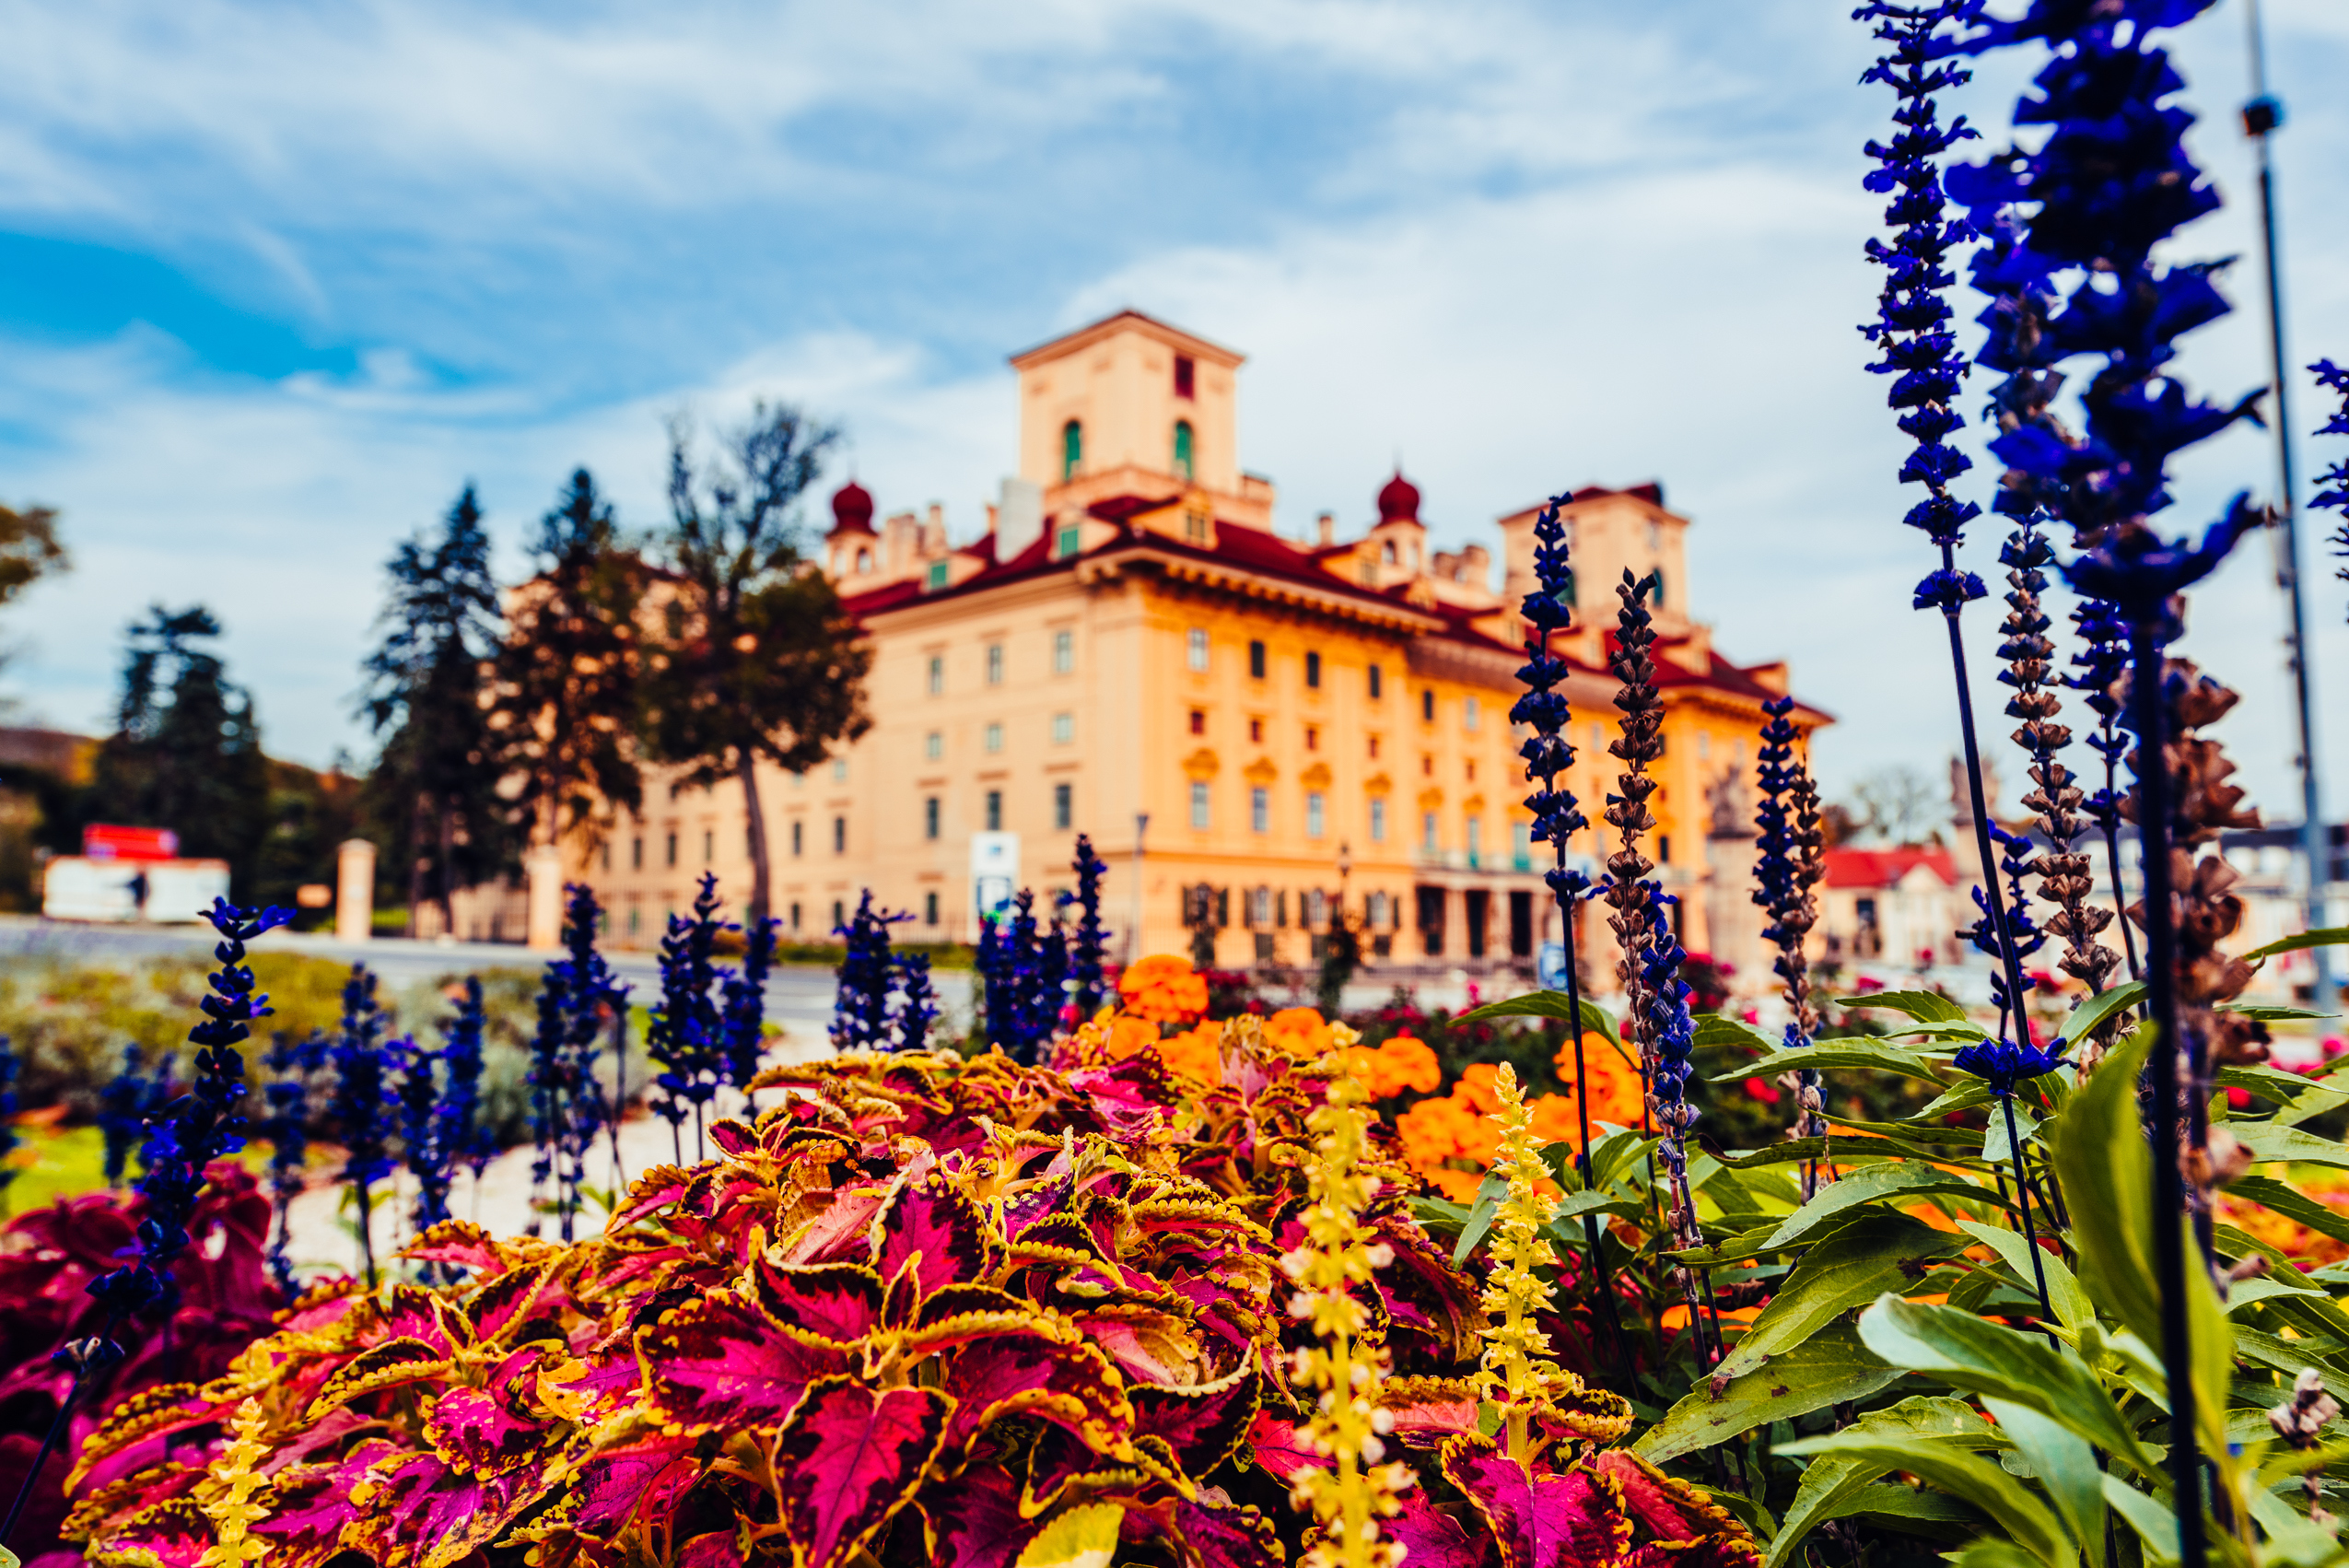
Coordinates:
x,y
934,1229
718,1365
1574,1519
642,1480
1427,1411
513,1299
1040,1375
173,1533
460,1242
475,1431
418,1511
1205,1421
840,1301
852,1459
1433,1539
312,1506
1211,1535
1667,1509
842,1231
733,1136
974,1521
718,1549
1707,1551
1282,1447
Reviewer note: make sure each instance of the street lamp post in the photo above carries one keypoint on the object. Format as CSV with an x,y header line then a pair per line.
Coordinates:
x,y
1134,932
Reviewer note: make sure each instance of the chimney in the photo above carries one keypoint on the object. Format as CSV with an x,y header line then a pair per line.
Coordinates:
x,y
1325,530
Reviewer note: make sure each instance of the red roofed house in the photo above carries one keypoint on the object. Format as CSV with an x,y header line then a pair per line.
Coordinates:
x,y
1301,721
1895,907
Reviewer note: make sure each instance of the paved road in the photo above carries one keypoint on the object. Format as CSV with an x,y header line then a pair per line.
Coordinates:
x,y
799,997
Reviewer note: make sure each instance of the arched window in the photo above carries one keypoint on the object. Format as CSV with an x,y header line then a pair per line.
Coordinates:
x,y
1183,450
1072,448
864,562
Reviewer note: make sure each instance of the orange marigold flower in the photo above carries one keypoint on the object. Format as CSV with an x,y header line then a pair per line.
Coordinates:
x,y
1197,1053
1413,1064
1164,989
1614,1092
1129,1035
1298,1032
1459,1186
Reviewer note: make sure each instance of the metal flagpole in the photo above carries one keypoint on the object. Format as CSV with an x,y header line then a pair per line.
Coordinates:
x,y
2260,118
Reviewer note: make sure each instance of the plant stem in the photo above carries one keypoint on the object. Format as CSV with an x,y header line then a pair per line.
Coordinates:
x,y
2169,1194
1974,791
2023,1190
365,1200
1591,1234
40,1458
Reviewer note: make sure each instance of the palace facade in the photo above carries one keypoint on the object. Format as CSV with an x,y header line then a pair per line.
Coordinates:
x,y
1256,732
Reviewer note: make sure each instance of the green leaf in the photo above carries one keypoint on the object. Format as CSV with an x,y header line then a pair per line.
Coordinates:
x,y
2027,1521
1438,1214
2092,1010
2269,1141
1719,1029
1748,1512
1980,1357
1925,1007
2066,1468
1545,1004
1480,1216
2105,1174
1617,1154
1870,1184
1994,1147
1863,1053
2150,1517
1081,1537
1574,1205
1879,1253
1831,1481
2292,1205
1830,1368
2072,1308
2329,936
2276,1014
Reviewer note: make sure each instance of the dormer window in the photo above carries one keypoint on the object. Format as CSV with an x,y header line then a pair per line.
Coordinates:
x,y
1195,527
1072,450
1064,542
1186,375
1184,464
937,578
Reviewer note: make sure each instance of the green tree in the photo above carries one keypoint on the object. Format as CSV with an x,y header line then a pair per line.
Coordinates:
x,y
758,659
437,777
185,753
28,549
566,710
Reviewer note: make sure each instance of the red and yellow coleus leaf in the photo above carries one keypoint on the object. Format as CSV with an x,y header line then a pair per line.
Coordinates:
x,y
719,1365
1569,1519
854,1456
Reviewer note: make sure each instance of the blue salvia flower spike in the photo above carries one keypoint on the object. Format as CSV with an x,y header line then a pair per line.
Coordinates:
x,y
417,1093
1088,944
744,1007
916,1005
2332,484
1787,869
860,998
122,1114
361,1098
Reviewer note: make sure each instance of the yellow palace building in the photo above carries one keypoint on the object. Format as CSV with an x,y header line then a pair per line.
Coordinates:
x,y
1256,732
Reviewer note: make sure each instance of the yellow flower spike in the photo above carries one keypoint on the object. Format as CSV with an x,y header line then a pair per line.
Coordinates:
x,y
1518,1377
231,1477
1347,1426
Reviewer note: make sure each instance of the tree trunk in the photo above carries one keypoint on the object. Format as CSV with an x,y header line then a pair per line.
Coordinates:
x,y
416,863
448,872
746,769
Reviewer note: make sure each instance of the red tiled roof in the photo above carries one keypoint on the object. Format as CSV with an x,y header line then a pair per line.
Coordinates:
x,y
1881,867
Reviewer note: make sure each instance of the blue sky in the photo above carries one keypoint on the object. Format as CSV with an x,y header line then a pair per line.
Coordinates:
x,y
276,279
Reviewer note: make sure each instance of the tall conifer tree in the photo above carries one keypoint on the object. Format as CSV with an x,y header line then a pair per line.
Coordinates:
x,y
436,778
757,659
566,677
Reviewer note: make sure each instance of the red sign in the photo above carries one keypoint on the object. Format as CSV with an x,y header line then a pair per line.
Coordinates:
x,y
105,841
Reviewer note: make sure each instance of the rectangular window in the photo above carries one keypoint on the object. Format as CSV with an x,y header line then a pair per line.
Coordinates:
x,y
995,811
671,850
1475,840
795,917
1664,848
635,854
1064,652
607,856
1521,845
1185,375
1194,526
1195,645
1064,729
994,663
708,847
1427,832
839,915
929,816
929,908
1198,805
1064,542
933,745
1468,714
796,829
1256,661
1313,814
1198,721
1427,706
840,835
839,770
635,919
1378,819
937,674
1064,806
1313,738
1260,811
936,577
1375,683
1313,669
994,733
